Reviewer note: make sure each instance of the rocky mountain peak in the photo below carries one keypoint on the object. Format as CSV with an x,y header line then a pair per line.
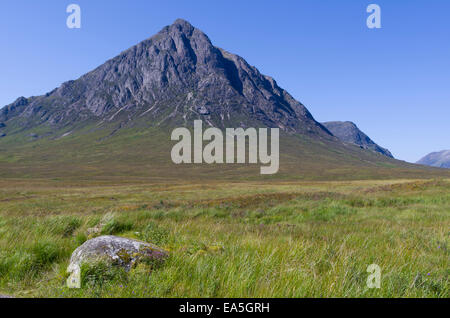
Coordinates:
x,y
174,77
182,25
348,132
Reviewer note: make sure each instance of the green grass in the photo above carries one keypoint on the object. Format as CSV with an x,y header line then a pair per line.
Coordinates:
x,y
242,239
140,151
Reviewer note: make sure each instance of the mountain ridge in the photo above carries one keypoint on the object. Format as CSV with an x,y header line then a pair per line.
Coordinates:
x,y
349,132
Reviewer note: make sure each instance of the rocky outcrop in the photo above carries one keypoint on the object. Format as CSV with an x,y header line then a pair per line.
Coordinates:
x,y
348,132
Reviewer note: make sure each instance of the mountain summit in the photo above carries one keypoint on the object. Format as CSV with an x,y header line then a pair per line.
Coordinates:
x,y
174,77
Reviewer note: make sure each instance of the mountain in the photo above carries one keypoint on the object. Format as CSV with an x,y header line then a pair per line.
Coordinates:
x,y
176,76
439,159
116,121
349,132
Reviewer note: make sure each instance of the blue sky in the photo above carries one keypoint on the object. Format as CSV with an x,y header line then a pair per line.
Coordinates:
x,y
392,82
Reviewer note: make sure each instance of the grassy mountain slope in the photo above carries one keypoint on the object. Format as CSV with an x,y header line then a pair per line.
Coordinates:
x,y
142,151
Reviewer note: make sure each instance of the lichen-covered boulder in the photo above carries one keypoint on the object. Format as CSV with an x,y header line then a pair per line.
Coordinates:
x,y
116,250
119,250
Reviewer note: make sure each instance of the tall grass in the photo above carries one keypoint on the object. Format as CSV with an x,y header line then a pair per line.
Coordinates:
x,y
300,240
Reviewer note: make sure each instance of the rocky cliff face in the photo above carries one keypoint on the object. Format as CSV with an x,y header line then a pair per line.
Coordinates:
x,y
439,159
175,76
350,133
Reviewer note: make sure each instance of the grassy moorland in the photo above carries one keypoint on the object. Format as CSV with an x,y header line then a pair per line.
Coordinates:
x,y
242,239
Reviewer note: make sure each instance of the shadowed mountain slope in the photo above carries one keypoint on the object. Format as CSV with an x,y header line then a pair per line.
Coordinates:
x,y
349,132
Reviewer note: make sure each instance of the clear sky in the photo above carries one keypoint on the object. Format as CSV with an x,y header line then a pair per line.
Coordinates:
x,y
392,82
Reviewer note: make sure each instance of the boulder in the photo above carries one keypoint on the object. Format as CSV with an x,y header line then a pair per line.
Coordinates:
x,y
119,250
112,249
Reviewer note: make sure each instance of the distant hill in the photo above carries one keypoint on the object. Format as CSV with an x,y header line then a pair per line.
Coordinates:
x,y
349,132
439,159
